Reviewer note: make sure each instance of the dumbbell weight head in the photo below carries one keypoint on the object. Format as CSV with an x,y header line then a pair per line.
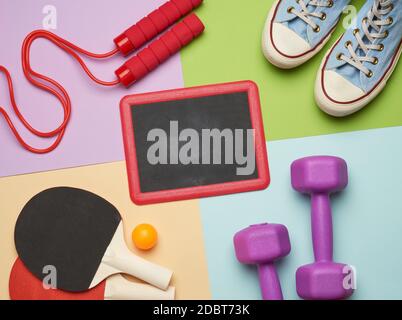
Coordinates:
x,y
262,244
319,174
323,281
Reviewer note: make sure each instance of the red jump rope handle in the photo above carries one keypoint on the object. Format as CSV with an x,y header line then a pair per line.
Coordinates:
x,y
160,50
153,24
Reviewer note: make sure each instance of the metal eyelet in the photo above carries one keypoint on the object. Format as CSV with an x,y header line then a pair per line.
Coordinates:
x,y
323,17
390,20
348,43
381,47
386,33
370,74
316,29
375,61
330,3
364,20
290,9
339,56
355,31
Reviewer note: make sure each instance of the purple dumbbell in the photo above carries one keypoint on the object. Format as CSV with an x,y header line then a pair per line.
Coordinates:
x,y
319,176
262,244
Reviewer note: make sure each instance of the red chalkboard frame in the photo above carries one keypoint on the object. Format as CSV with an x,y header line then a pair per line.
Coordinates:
x,y
141,198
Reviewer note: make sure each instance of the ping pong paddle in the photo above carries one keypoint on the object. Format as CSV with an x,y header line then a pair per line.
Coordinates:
x,y
23,285
81,235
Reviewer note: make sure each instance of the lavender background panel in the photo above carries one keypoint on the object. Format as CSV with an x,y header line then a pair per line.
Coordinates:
x,y
94,132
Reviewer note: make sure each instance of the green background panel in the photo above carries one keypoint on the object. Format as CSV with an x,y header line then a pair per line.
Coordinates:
x,y
230,50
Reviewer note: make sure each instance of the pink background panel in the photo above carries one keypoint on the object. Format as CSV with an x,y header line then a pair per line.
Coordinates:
x,y
94,132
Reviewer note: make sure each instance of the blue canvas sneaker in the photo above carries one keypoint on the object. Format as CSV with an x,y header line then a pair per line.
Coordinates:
x,y
296,30
358,66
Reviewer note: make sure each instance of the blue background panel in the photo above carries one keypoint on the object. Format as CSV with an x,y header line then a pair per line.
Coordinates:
x,y
367,217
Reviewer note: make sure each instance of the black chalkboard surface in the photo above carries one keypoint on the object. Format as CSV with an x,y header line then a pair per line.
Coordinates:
x,y
194,142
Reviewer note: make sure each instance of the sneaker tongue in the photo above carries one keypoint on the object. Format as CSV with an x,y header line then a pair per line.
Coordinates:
x,y
299,26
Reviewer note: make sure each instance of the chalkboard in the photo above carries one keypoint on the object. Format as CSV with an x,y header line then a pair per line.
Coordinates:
x,y
194,142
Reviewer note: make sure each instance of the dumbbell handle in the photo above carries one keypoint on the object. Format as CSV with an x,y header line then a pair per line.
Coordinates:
x,y
321,227
269,282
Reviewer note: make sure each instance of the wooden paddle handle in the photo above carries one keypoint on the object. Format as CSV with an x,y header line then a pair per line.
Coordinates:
x,y
119,259
142,269
118,288
122,260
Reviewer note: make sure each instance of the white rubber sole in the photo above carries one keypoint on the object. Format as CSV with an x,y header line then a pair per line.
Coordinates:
x,y
344,109
276,58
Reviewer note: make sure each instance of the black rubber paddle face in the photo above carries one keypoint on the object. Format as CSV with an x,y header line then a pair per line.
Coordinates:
x,y
68,229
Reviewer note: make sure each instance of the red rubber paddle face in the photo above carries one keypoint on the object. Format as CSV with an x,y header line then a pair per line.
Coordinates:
x,y
23,285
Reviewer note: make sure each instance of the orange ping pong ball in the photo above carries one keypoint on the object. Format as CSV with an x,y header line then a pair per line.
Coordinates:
x,y
144,236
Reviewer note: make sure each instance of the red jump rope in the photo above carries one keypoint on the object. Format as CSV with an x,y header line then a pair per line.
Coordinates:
x,y
131,71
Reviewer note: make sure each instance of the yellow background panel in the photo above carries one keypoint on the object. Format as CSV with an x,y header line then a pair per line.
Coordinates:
x,y
180,245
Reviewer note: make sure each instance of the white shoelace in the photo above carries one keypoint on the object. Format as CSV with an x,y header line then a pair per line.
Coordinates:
x,y
375,20
305,15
